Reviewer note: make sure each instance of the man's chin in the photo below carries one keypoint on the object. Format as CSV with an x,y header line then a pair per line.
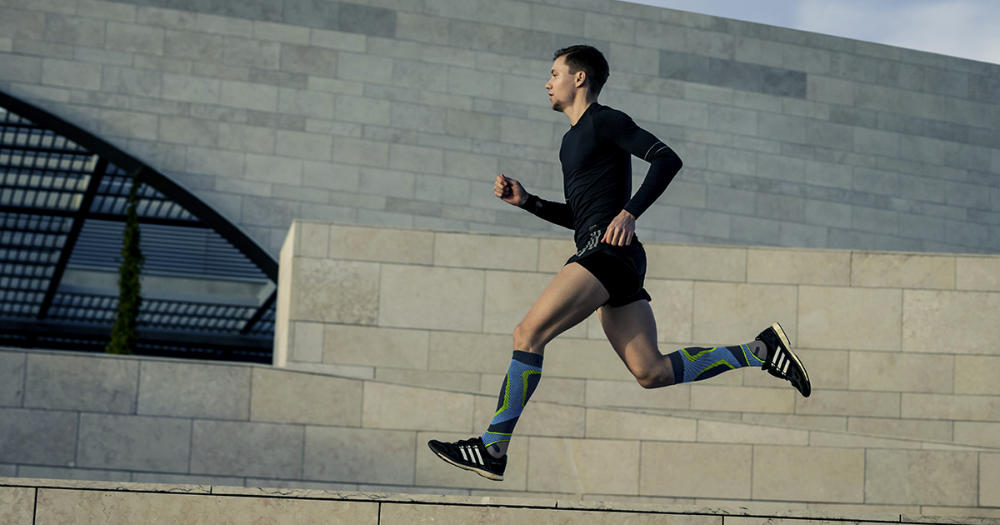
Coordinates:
x,y
557,106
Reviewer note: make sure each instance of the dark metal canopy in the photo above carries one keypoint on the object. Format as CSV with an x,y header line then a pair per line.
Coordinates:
x,y
208,290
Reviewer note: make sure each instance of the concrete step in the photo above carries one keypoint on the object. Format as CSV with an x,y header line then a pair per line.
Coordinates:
x,y
45,501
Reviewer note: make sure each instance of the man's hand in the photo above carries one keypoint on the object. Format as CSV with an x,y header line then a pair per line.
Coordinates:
x,y
621,230
509,190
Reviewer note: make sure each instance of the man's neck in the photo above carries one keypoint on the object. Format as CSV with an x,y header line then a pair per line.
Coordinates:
x,y
576,110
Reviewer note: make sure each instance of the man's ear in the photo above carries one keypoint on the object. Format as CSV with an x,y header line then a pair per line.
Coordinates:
x,y
580,77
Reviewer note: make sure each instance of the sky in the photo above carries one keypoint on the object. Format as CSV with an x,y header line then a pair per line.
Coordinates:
x,y
962,28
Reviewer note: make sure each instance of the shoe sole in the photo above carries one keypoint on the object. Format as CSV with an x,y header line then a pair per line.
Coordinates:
x,y
483,473
788,347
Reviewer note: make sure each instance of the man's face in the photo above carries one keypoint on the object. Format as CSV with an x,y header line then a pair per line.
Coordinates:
x,y
561,86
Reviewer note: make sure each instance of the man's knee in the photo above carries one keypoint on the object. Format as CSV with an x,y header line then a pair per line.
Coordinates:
x,y
528,338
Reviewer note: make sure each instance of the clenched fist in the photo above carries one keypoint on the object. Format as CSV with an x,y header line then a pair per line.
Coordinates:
x,y
509,190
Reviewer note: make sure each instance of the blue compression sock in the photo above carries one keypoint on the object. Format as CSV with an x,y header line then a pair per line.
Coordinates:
x,y
522,377
696,364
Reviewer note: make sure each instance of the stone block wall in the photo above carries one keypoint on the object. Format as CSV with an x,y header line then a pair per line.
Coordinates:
x,y
901,345
138,419
401,112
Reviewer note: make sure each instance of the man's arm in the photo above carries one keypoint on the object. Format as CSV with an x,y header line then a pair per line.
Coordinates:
x,y
554,212
663,162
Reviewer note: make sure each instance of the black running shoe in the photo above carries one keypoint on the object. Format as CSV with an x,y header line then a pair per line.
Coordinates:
x,y
781,362
471,454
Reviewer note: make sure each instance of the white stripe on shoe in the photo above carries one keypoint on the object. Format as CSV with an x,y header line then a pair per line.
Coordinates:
x,y
464,457
479,457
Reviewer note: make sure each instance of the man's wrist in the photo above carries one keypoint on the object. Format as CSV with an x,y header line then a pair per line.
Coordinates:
x,y
527,201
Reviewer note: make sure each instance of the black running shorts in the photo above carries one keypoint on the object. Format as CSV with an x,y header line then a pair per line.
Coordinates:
x,y
621,269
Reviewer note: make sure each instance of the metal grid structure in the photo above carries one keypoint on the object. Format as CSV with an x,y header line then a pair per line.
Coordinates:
x,y
63,198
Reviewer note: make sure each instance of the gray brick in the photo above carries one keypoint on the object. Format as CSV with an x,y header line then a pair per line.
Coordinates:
x,y
21,69
558,19
876,181
387,183
733,200
12,375
194,45
705,222
181,130
413,207
829,174
755,230
732,120
420,75
19,24
198,391
260,211
922,227
246,52
418,117
372,21
134,38
732,161
875,220
946,82
967,234
44,49
412,158
309,146
780,207
306,103
365,110
364,152
245,138
830,135
236,449
420,28
81,474
311,13
58,382
214,162
281,33
309,60
74,30
367,68
442,190
801,235
825,213
191,89
267,168
100,56
473,82
70,74
250,96
40,437
781,127
134,443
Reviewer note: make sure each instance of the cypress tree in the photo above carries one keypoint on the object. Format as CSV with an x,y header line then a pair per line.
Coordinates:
x,y
125,333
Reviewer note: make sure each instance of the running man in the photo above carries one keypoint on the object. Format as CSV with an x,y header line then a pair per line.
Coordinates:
x,y
607,272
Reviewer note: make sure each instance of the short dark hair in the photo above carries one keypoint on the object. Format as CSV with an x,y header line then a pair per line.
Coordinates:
x,y
588,59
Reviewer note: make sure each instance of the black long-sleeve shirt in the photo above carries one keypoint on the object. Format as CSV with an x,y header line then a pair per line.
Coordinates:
x,y
597,172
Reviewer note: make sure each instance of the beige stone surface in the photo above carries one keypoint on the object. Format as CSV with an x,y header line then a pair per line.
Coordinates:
x,y
978,433
827,369
552,253
846,403
902,270
820,267
500,252
901,372
312,239
902,428
412,408
805,422
17,505
619,424
435,472
840,439
57,507
939,406
673,309
537,419
192,389
703,263
809,474
296,397
952,322
725,432
584,359
695,470
933,477
283,335
977,375
978,273
467,352
359,455
375,346
334,291
456,381
306,342
508,297
412,514
743,399
989,480
431,298
579,466
849,318
381,244
601,393
732,313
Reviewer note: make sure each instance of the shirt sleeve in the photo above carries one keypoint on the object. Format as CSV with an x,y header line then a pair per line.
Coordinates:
x,y
554,212
663,162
